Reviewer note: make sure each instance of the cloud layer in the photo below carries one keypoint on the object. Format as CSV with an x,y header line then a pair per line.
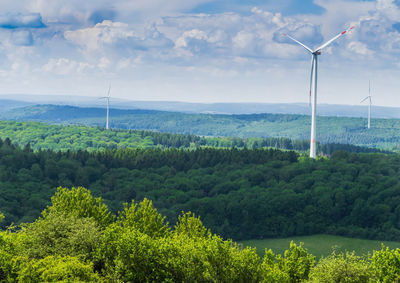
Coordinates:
x,y
175,47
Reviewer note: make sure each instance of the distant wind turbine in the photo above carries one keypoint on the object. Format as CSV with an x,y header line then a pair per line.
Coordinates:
x,y
108,105
313,79
369,105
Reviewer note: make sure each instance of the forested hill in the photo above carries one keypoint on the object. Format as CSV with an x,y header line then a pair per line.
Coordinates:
x,y
240,194
72,137
385,133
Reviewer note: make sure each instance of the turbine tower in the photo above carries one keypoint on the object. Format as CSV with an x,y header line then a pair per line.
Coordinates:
x,y
313,82
108,105
369,105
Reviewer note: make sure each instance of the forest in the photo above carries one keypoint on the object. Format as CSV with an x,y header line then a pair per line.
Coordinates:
x,y
78,239
384,133
56,137
239,193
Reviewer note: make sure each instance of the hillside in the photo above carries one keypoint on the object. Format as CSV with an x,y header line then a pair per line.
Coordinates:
x,y
73,137
239,194
385,133
336,110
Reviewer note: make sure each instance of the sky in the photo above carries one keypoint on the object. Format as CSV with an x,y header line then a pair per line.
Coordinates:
x,y
201,50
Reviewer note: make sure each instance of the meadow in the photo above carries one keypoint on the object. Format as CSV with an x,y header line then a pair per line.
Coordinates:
x,y
320,245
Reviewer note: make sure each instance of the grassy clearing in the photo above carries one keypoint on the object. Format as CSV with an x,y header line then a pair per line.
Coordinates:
x,y
320,245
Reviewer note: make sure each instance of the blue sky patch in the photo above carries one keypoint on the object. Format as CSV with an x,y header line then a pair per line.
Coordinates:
x,y
286,7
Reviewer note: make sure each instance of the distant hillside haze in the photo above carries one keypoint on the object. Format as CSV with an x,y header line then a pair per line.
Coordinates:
x,y
384,133
206,108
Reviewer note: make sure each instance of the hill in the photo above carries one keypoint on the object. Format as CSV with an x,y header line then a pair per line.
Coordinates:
x,y
384,134
239,194
335,110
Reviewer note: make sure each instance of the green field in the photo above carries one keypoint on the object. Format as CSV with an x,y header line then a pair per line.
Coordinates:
x,y
320,245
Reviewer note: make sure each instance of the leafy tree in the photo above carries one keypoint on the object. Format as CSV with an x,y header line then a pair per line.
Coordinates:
x,y
294,266
342,267
61,234
56,269
80,203
144,218
386,265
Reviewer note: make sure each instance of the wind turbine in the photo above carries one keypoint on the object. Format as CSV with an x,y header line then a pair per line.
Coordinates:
x,y
313,80
108,105
370,103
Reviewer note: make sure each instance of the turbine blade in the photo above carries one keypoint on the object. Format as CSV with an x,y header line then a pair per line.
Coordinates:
x,y
298,42
364,99
332,40
311,77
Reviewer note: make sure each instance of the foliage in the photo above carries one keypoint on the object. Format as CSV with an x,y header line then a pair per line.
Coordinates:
x,y
80,203
55,137
144,218
342,267
56,269
60,234
138,257
9,243
386,265
294,266
191,226
65,246
239,194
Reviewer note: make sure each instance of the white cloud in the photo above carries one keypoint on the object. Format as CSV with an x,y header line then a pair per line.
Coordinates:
x,y
151,40
183,41
359,48
64,66
107,32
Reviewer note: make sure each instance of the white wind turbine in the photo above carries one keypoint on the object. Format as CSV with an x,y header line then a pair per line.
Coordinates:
x,y
108,104
370,103
313,79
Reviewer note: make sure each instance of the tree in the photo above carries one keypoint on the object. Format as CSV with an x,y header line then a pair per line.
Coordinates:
x,y
342,267
80,203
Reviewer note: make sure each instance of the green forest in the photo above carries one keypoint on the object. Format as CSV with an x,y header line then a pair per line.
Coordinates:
x,y
240,194
77,239
55,137
148,206
384,133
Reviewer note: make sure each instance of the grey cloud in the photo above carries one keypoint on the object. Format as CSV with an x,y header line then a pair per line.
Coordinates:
x,y
13,21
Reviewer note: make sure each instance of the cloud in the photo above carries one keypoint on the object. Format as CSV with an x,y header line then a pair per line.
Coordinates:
x,y
359,48
65,66
107,32
29,20
117,37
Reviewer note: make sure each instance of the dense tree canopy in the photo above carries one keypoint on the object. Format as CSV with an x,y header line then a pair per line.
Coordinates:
x,y
55,137
71,242
240,194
